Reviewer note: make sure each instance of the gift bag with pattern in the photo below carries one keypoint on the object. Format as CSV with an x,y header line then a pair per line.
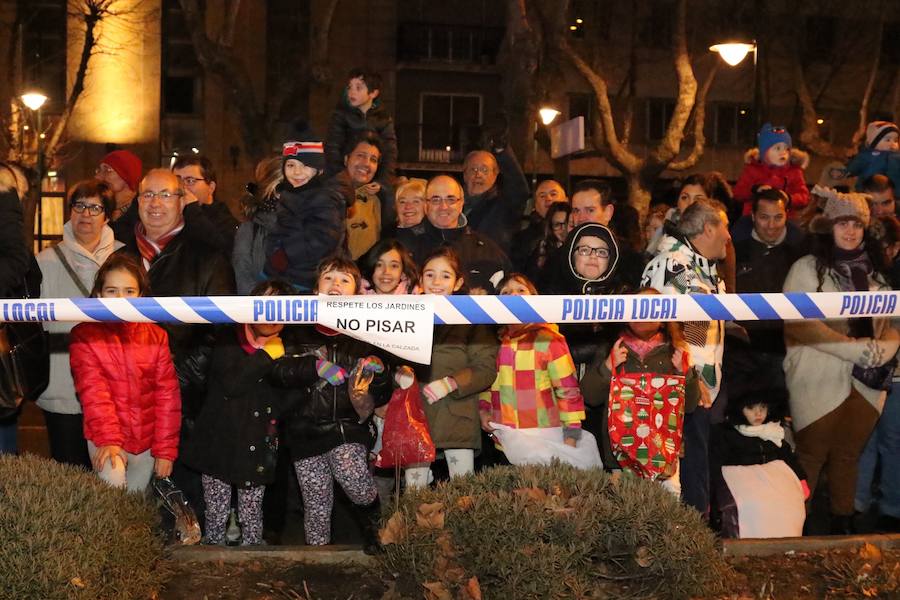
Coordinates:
x,y
646,415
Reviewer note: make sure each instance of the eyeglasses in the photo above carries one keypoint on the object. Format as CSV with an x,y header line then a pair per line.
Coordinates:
x,y
559,225
588,251
103,170
483,170
92,209
190,181
438,200
163,195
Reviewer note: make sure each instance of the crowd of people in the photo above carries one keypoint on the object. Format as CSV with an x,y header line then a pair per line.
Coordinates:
x,y
740,420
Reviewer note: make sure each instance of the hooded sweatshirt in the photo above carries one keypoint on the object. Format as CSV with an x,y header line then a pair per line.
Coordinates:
x,y
572,281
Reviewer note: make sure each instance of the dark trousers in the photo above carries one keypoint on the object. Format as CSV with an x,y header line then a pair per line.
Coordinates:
x,y
66,435
695,464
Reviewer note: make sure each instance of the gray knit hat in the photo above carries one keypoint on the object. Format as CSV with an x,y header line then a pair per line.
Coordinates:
x,y
841,206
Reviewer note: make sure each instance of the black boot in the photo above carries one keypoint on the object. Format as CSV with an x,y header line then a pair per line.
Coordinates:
x,y
842,525
369,519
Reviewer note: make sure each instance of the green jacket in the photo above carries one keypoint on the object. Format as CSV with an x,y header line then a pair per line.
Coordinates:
x,y
468,353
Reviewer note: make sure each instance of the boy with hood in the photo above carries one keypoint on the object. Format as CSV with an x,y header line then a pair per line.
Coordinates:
x,y
880,155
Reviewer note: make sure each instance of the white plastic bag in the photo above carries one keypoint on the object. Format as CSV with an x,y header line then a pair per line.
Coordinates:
x,y
540,445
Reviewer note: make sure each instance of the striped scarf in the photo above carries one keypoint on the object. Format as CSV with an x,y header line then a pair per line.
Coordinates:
x,y
150,249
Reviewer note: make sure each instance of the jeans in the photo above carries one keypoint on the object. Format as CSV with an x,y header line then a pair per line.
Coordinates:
x,y
134,476
884,447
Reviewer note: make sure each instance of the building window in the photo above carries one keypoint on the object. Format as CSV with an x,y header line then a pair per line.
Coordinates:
x,y
425,42
43,30
732,124
659,113
449,124
182,80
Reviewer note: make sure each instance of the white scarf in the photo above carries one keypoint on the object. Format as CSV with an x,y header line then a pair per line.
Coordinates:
x,y
770,431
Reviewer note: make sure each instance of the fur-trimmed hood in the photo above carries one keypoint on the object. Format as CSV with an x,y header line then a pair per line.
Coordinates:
x,y
799,158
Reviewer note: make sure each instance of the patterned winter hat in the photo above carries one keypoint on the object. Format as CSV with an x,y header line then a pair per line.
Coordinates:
x,y
876,130
842,206
310,153
770,135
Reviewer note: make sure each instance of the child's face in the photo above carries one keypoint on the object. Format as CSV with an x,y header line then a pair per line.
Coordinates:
x,y
266,329
756,414
297,173
778,154
358,94
591,257
645,329
438,277
120,284
515,287
336,283
889,143
388,272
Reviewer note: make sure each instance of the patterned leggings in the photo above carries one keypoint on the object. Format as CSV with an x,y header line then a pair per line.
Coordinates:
x,y
347,464
217,495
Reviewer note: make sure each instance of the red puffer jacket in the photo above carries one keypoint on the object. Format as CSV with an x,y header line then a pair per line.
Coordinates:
x,y
127,386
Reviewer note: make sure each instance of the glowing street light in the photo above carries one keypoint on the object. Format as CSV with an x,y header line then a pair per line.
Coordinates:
x,y
33,100
733,52
548,114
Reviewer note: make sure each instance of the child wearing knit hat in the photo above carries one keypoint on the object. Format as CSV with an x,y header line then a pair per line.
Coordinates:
x,y
879,155
775,163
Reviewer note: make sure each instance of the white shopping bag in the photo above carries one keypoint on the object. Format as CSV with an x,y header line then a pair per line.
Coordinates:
x,y
540,445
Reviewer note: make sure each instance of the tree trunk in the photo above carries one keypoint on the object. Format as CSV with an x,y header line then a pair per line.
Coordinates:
x,y
638,193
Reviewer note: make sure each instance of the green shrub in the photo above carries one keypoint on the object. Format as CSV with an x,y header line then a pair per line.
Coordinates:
x,y
550,532
64,533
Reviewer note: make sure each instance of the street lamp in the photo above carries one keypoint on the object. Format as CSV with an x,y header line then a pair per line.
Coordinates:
x,y
547,114
35,100
734,52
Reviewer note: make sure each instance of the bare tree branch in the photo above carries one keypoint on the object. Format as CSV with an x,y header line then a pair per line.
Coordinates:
x,y
860,132
221,61
226,35
699,121
670,145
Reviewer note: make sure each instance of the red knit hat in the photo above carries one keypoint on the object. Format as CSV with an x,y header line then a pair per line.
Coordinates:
x,y
127,165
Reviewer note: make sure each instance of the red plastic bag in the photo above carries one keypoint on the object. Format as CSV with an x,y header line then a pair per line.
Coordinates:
x,y
406,439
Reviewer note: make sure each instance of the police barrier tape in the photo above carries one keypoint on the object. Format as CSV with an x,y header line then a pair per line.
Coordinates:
x,y
455,310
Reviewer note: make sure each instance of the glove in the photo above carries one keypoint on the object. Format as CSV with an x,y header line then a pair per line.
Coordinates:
x,y
330,372
372,364
439,388
405,377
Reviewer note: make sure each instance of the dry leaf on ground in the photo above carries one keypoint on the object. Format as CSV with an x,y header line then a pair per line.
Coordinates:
x,y
430,516
435,590
394,531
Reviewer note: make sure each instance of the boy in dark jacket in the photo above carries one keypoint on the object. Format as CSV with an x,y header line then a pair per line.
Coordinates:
x,y
358,110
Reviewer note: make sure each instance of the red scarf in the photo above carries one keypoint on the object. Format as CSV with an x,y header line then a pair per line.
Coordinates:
x,y
642,347
151,249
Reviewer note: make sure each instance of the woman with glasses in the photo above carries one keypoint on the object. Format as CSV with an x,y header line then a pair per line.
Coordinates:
x,y
68,272
556,228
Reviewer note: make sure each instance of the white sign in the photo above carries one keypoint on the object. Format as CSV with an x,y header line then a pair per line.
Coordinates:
x,y
567,137
402,325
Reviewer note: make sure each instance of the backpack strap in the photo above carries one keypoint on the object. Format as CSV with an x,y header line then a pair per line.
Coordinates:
x,y
65,263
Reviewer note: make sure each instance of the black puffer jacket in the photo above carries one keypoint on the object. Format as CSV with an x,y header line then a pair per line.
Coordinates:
x,y
483,262
310,226
235,435
325,418
731,447
15,259
187,267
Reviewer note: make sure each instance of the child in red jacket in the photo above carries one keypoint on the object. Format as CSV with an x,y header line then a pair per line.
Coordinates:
x,y
776,164
127,386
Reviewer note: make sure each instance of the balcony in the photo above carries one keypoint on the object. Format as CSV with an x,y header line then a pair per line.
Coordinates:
x,y
436,144
427,44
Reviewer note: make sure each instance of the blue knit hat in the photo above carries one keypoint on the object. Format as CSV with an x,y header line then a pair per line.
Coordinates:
x,y
770,135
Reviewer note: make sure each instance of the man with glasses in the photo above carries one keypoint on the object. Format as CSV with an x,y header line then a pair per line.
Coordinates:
x,y
121,171
198,178
496,193
483,262
178,263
